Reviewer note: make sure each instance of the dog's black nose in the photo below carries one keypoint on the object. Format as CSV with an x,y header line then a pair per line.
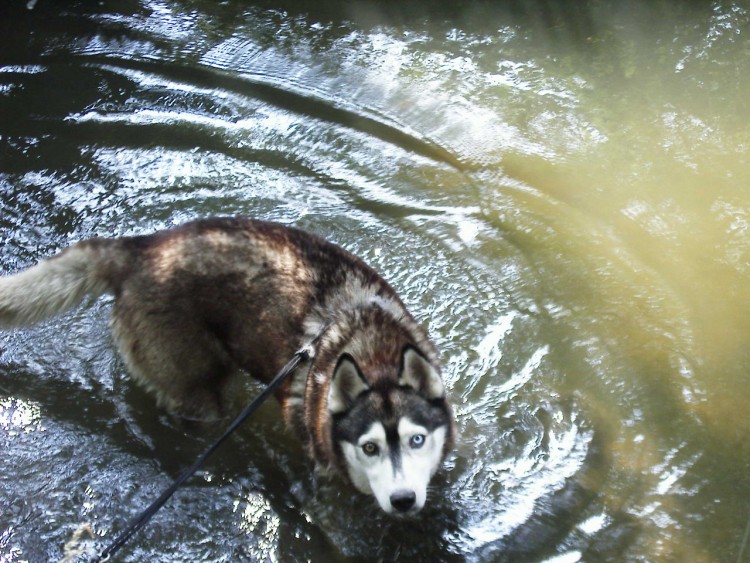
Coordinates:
x,y
403,500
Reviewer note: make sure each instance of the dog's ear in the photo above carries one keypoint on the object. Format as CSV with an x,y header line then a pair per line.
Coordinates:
x,y
419,374
348,382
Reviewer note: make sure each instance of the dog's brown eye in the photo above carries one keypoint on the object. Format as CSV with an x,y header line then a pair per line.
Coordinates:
x,y
370,448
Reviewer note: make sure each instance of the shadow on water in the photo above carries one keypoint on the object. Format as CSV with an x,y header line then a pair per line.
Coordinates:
x,y
209,77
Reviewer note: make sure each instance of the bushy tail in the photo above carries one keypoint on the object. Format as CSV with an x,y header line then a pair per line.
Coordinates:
x,y
56,284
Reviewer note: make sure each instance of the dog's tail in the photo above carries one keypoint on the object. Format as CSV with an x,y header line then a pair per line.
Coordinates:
x,y
58,283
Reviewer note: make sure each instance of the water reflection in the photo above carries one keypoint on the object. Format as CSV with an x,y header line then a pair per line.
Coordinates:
x,y
19,416
259,522
559,190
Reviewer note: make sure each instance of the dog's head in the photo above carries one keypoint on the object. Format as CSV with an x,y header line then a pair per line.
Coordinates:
x,y
393,435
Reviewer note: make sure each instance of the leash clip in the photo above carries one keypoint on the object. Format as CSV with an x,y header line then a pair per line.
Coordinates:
x,y
306,352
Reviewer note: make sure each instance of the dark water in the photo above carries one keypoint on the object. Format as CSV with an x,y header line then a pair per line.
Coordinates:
x,y
559,190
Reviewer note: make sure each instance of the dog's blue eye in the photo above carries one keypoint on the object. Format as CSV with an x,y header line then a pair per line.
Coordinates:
x,y
370,449
417,441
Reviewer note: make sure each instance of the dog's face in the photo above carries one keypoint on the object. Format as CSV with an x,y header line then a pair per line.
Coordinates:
x,y
392,436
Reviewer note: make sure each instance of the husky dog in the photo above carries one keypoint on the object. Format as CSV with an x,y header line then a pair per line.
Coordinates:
x,y
196,304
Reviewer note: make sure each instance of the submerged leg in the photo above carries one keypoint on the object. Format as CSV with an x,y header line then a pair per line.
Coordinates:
x,y
184,364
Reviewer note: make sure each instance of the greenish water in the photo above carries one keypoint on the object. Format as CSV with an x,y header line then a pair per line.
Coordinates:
x,y
559,190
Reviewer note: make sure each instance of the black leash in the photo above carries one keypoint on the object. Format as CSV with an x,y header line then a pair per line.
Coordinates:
x,y
299,357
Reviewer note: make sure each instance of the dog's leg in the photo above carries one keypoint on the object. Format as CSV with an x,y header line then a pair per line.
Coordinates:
x,y
182,363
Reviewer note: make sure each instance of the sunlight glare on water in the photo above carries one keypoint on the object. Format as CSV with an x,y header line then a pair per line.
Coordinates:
x,y
560,191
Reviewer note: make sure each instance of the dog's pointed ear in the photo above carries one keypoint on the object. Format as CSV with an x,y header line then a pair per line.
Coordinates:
x,y
420,374
347,384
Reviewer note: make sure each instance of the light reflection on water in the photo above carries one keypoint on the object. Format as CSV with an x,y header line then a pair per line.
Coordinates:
x,y
18,416
559,192
259,519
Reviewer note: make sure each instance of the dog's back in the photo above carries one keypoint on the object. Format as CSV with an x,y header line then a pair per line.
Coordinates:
x,y
211,297
196,303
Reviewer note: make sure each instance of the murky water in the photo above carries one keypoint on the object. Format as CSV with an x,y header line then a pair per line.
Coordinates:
x,y
560,191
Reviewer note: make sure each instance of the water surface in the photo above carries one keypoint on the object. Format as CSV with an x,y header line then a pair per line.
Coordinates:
x,y
559,190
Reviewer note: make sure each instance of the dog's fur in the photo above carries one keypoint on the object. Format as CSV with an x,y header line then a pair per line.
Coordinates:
x,y
197,304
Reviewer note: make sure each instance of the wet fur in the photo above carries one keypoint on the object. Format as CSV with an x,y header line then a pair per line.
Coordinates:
x,y
200,303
